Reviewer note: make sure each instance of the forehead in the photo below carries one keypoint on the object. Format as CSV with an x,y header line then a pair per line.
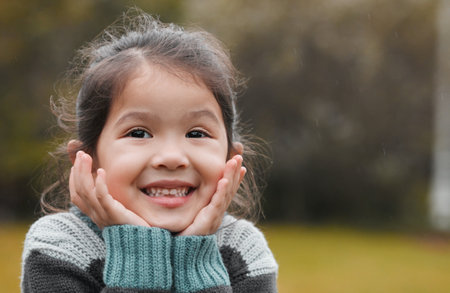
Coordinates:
x,y
150,75
163,90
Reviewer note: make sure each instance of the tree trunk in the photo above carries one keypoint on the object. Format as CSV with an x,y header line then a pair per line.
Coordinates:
x,y
440,190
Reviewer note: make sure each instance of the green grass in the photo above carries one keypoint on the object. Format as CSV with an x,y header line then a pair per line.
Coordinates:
x,y
313,260
342,260
11,243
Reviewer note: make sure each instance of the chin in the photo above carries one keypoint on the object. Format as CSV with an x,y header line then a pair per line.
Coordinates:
x,y
174,226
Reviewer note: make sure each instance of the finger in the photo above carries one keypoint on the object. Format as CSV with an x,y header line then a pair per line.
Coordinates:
x,y
106,201
85,182
71,184
79,187
78,191
237,174
85,188
230,169
242,173
102,195
74,197
206,222
219,201
232,173
100,186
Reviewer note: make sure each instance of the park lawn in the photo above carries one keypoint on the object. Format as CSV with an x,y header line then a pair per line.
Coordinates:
x,y
11,239
332,259
320,259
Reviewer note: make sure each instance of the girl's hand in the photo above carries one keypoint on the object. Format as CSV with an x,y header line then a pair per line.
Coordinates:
x,y
210,217
91,196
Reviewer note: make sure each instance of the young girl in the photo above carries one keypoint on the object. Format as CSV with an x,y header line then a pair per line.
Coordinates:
x,y
157,187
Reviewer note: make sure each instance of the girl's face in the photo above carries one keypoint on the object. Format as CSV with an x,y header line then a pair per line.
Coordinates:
x,y
163,147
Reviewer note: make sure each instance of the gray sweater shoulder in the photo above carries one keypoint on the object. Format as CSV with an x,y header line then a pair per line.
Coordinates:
x,y
242,237
66,237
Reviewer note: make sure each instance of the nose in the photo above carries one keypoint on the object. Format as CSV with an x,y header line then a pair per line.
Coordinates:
x,y
170,156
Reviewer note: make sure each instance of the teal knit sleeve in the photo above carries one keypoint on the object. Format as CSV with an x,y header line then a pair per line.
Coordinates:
x,y
197,264
137,257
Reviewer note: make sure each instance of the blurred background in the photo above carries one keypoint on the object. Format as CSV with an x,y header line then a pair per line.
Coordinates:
x,y
349,94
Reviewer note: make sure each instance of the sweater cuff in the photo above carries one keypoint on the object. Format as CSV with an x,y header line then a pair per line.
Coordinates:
x,y
137,257
197,264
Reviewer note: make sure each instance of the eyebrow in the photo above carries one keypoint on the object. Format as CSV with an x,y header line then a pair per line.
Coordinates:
x,y
203,113
136,115
146,116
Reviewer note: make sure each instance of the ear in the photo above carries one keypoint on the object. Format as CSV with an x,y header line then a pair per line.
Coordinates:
x,y
72,147
238,149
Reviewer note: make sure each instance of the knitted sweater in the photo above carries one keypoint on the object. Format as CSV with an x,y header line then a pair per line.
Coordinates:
x,y
67,252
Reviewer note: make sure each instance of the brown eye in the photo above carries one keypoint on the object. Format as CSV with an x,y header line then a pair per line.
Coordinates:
x,y
139,133
197,134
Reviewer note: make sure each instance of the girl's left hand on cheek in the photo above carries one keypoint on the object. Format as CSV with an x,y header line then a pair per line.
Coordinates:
x,y
210,217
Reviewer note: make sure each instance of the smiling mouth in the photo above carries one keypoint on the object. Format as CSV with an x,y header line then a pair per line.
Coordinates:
x,y
174,192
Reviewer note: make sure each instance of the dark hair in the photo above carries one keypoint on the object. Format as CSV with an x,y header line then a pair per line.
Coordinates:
x,y
102,69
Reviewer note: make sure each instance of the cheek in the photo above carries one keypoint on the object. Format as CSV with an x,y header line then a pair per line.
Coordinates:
x,y
118,159
213,169
121,173
116,183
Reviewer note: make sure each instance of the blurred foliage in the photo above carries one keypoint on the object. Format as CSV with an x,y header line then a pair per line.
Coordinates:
x,y
341,89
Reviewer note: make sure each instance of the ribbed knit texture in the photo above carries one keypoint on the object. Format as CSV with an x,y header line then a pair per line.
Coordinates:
x,y
197,264
137,257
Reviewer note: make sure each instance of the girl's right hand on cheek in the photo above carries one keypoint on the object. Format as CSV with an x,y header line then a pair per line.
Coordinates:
x,y
91,196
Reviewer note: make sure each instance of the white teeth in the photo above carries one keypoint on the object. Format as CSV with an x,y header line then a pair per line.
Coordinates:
x,y
156,191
